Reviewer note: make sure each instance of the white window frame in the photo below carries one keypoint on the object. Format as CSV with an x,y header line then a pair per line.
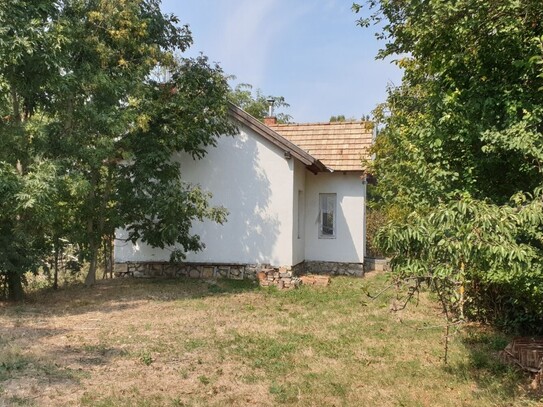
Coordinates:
x,y
322,199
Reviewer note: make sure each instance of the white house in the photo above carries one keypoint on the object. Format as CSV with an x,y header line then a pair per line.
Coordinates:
x,y
295,194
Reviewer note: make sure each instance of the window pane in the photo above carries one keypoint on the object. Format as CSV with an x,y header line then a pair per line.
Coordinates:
x,y
301,204
328,213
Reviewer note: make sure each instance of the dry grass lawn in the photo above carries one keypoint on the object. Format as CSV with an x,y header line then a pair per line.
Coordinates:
x,y
132,342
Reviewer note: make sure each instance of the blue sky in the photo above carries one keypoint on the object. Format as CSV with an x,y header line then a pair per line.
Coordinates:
x,y
309,51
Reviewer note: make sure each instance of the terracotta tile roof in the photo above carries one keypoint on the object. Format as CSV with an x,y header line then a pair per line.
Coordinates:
x,y
338,145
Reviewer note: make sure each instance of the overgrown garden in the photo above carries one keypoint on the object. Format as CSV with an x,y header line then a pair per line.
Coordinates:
x,y
459,157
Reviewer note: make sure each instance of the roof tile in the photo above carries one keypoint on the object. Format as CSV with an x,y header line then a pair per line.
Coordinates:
x,y
340,146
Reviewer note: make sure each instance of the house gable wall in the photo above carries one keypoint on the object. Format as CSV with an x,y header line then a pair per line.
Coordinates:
x,y
251,178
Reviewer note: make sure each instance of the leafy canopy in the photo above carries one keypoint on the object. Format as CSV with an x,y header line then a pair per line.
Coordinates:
x,y
87,132
257,104
460,144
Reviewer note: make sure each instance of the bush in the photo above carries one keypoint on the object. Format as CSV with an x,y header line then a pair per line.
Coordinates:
x,y
375,219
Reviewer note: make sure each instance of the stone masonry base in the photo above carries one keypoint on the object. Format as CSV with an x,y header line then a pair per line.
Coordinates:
x,y
281,277
333,268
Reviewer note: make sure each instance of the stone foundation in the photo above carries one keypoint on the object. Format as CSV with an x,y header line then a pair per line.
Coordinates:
x,y
333,268
281,277
190,270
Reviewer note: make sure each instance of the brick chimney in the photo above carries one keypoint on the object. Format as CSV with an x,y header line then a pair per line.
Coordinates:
x,y
270,120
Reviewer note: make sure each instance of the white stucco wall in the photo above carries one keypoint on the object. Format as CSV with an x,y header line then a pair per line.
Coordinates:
x,y
348,246
251,178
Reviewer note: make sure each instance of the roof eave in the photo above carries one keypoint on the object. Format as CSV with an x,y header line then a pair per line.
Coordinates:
x,y
347,170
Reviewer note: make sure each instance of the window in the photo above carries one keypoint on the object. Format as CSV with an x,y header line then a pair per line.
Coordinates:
x,y
301,204
327,226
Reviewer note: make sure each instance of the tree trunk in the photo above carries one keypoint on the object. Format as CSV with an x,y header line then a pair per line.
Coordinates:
x,y
15,105
15,287
91,275
55,267
94,247
107,247
111,256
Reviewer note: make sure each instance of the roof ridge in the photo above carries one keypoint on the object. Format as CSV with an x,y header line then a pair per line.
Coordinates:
x,y
321,123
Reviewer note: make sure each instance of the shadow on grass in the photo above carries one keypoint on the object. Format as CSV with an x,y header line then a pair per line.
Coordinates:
x,y
485,368
16,365
64,366
19,331
120,294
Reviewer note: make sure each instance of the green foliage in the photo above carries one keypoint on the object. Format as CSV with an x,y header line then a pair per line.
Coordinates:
x,y
474,246
25,220
257,105
342,118
375,219
87,135
338,118
462,136
146,358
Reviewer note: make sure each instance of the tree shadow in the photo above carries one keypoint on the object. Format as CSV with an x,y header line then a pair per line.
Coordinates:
x,y
17,365
18,329
240,177
233,172
31,356
55,367
109,296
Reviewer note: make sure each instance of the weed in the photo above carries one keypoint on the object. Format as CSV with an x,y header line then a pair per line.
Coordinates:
x,y
204,379
177,402
146,358
338,389
250,307
215,289
100,348
184,374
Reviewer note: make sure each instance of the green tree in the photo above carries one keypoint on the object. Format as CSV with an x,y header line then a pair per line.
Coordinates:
x,y
25,221
86,128
28,49
342,118
257,104
463,131
338,118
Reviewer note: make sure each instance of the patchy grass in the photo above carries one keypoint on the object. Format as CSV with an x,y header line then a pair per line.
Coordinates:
x,y
202,343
